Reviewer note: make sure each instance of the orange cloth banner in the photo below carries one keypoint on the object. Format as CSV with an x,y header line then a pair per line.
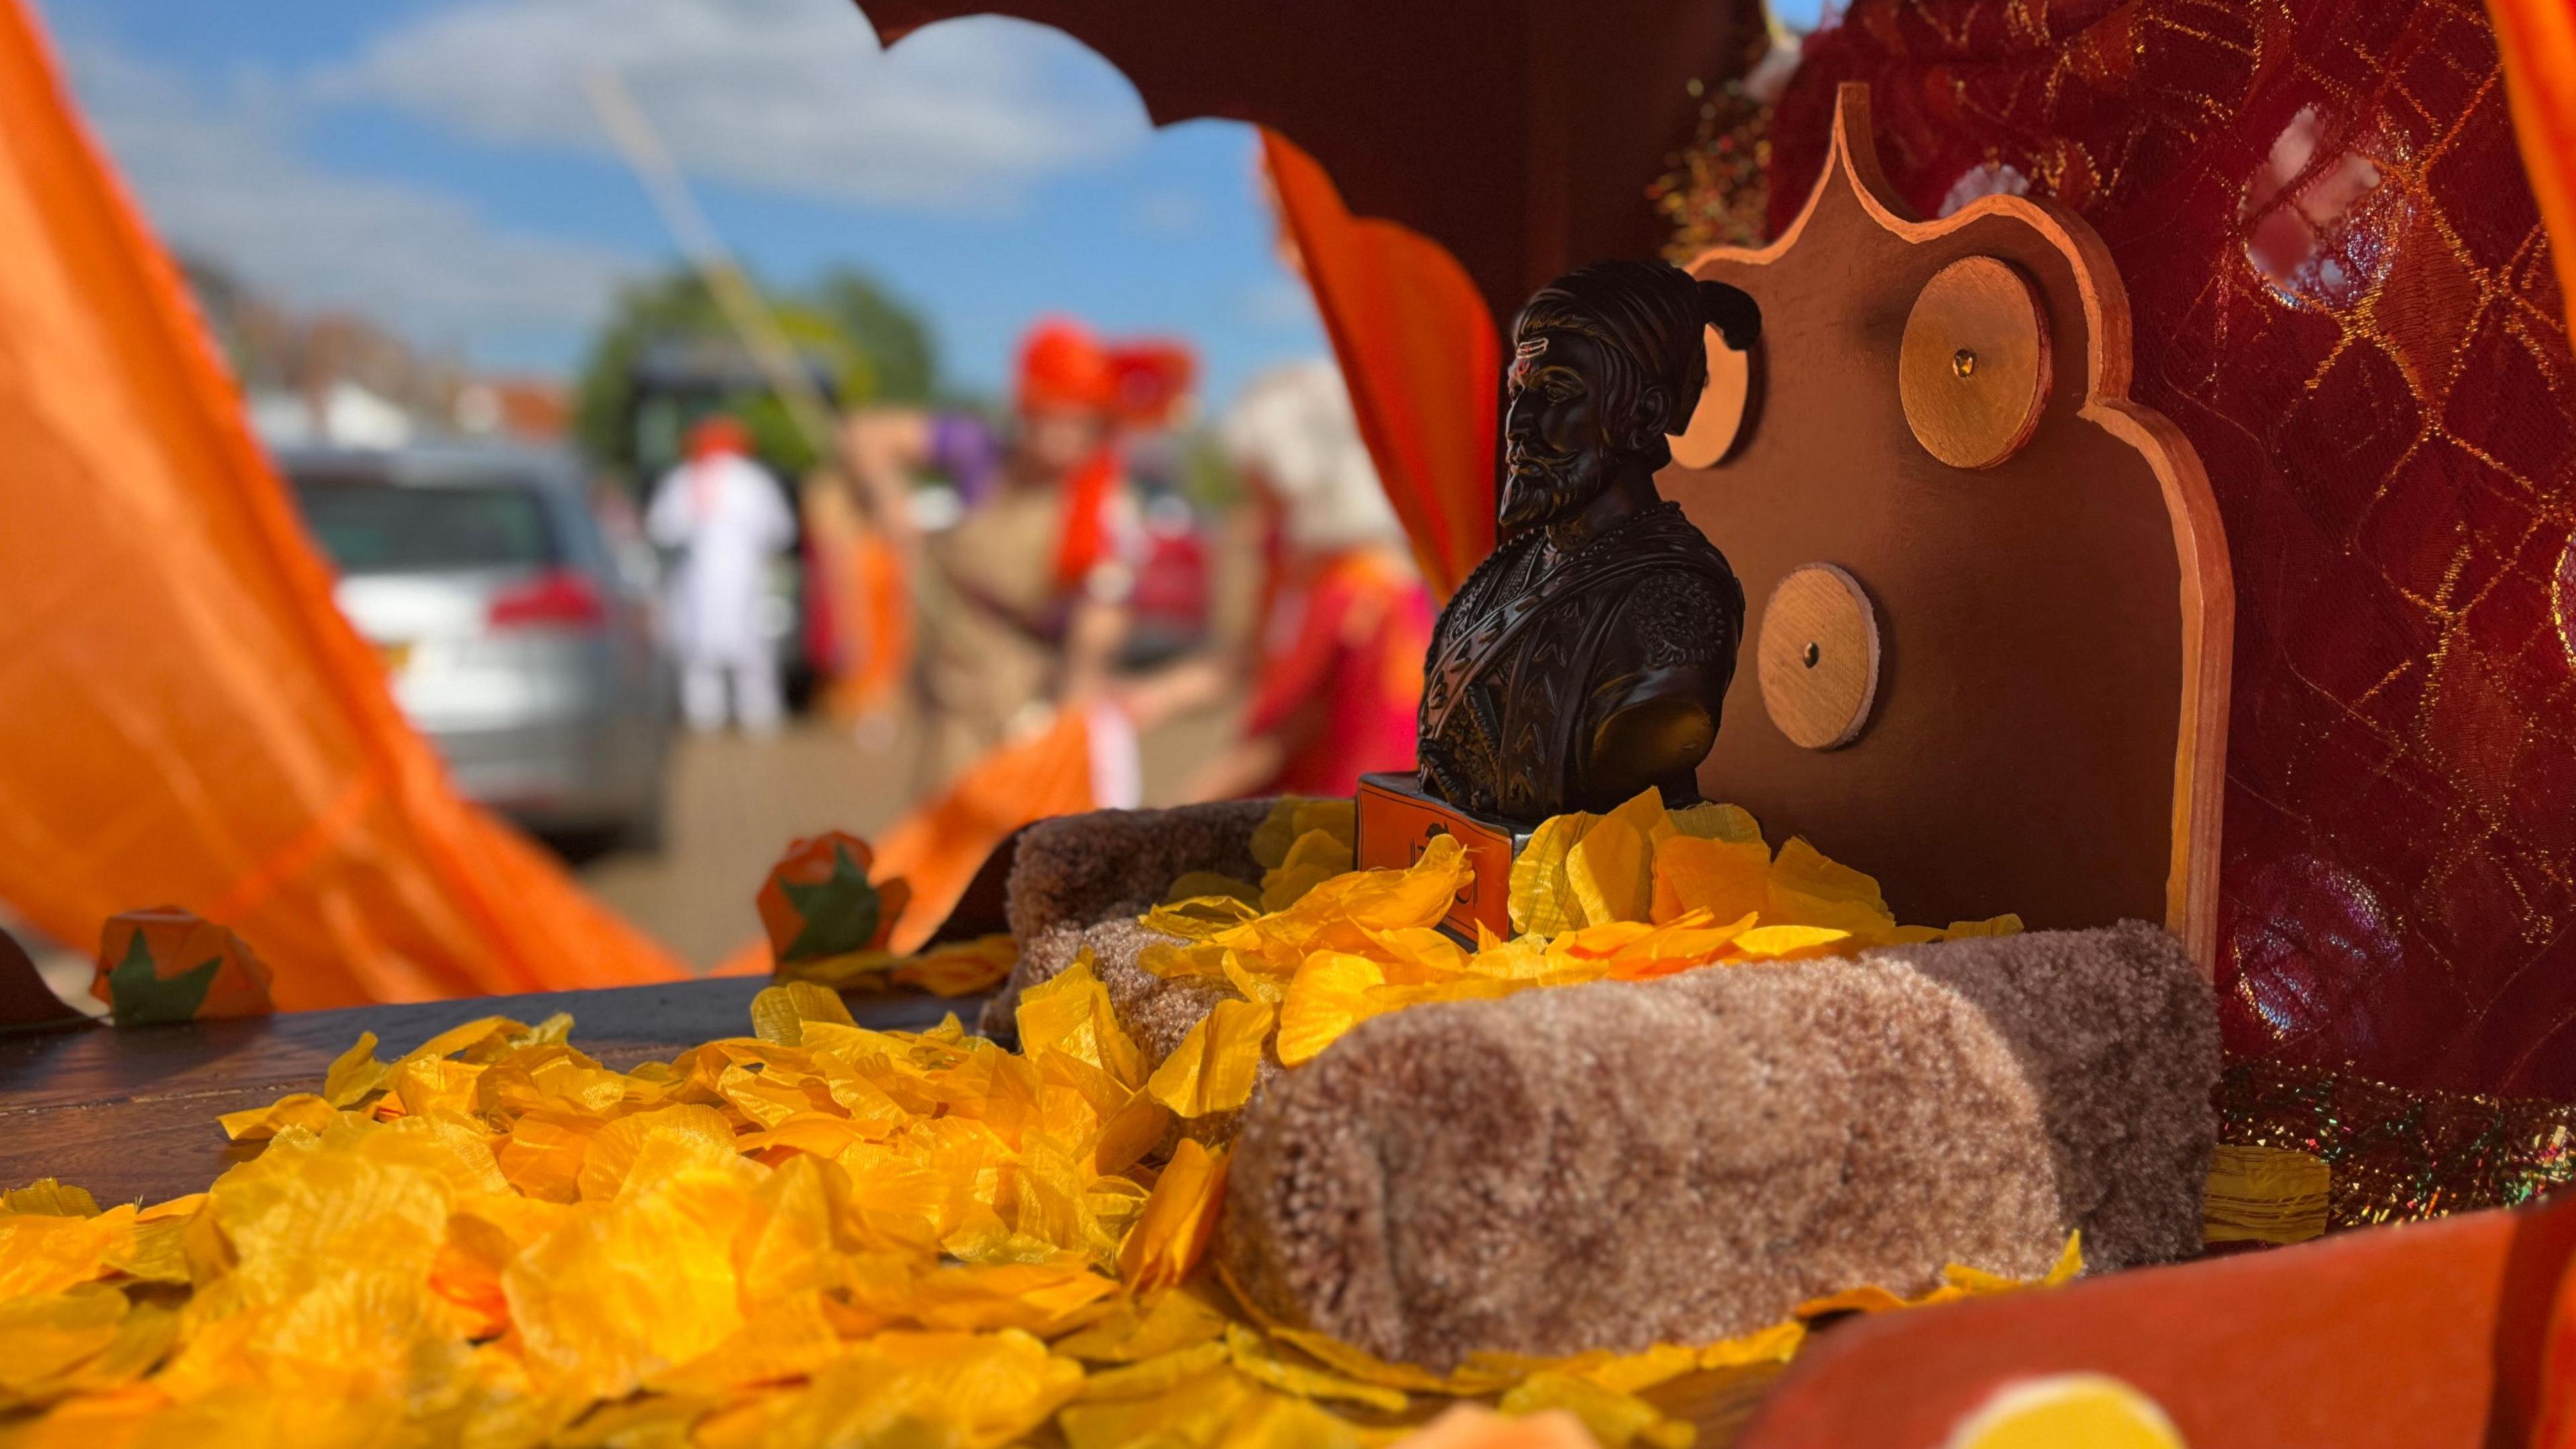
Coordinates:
x,y
2537,40
938,848
1420,355
185,718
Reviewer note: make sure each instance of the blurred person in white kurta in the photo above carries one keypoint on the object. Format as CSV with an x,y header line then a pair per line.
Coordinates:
x,y
727,520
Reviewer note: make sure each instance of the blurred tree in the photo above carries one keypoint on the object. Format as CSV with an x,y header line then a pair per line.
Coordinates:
x,y
902,355
667,356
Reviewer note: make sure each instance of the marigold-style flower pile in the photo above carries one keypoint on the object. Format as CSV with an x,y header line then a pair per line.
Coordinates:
x,y
823,1233
1638,893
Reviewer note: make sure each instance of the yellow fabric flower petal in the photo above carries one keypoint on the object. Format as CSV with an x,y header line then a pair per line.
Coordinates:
x,y
45,1335
1615,1420
1138,1329
2006,924
1344,913
1155,1375
1292,817
1215,1066
1417,954
1729,823
1253,1358
1808,889
648,1146
355,1073
1329,996
779,1013
1197,918
1317,855
961,968
1290,884
1727,879
979,1390
1206,1408
628,1288
1359,1364
1687,942
1072,1015
1787,943
51,1197
1252,985
1179,1220
1202,885
1541,899
296,1109
1609,874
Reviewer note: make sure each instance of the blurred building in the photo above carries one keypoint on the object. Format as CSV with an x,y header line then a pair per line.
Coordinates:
x,y
335,378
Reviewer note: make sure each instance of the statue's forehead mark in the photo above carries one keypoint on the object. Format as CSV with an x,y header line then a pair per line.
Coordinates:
x,y
1525,356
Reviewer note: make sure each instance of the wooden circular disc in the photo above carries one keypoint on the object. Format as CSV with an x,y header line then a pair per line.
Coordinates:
x,y
1973,372
1818,657
1720,414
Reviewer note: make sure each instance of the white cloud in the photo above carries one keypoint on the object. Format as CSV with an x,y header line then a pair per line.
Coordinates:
x,y
220,177
790,95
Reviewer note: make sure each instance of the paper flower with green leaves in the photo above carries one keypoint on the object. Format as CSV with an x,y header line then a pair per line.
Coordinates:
x,y
818,901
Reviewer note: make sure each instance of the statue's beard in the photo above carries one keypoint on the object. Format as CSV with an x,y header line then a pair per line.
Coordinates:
x,y
1544,487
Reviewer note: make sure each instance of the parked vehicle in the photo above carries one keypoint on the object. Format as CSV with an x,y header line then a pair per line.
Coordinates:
x,y
483,580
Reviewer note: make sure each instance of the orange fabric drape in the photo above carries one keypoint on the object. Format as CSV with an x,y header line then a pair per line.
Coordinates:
x,y
2537,41
185,719
1420,355
938,848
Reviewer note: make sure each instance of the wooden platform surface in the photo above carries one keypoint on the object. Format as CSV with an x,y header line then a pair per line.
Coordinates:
x,y
129,1113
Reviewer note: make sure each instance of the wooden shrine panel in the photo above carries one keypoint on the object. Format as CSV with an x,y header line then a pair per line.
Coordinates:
x,y
2046,729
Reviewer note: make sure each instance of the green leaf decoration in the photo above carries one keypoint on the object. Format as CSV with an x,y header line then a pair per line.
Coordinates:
x,y
840,913
140,996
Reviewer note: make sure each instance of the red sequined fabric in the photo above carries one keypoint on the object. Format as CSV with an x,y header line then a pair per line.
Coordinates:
x,y
2343,295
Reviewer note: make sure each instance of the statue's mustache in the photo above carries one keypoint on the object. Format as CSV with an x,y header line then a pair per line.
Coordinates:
x,y
1538,460
1538,483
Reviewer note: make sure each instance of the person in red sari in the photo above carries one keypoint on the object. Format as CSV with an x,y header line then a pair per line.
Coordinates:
x,y
1334,668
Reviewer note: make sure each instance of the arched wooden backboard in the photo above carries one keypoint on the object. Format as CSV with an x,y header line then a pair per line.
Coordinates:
x,y
2047,730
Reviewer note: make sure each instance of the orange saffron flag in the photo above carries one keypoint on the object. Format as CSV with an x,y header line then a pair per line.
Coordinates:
x,y
939,847
1420,355
184,715
2537,41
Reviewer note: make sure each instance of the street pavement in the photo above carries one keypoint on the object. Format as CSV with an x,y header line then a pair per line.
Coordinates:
x,y
736,802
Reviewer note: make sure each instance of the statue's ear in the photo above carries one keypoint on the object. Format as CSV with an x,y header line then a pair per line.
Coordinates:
x,y
1654,405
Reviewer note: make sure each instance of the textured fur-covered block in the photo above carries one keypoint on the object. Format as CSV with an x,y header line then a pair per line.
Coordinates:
x,y
1619,1164
1613,1165
1102,870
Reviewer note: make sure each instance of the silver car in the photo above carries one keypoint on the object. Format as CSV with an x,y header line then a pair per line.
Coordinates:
x,y
483,579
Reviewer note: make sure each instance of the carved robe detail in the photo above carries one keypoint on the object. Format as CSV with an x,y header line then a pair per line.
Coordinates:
x,y
1537,648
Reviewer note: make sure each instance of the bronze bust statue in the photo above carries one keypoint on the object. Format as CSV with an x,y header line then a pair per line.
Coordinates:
x,y
1588,657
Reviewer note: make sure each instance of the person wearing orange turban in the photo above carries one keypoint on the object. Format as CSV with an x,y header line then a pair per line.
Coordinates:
x,y
1027,590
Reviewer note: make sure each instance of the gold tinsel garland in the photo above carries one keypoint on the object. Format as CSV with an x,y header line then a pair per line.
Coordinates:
x,y
1716,192
2398,1155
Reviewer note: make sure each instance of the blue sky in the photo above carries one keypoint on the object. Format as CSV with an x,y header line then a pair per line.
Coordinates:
x,y
434,163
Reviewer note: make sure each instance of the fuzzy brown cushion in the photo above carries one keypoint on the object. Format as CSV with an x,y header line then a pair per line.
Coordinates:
x,y
1619,1164
1103,870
